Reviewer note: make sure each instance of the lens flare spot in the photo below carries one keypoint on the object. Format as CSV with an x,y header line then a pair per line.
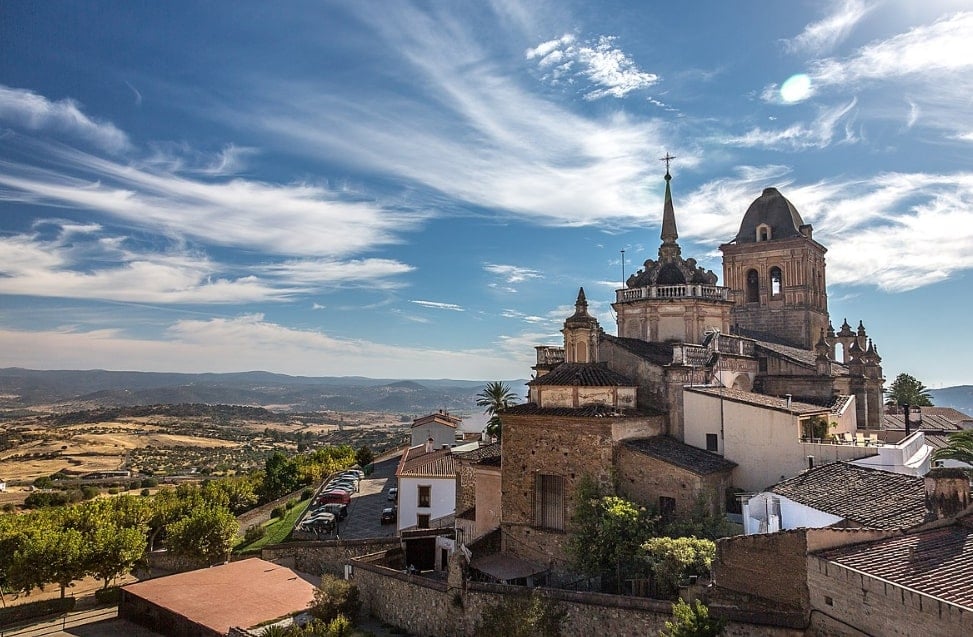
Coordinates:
x,y
796,88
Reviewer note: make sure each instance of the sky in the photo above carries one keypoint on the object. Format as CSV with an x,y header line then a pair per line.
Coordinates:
x,y
418,189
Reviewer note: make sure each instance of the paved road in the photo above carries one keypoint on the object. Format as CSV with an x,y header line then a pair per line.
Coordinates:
x,y
365,509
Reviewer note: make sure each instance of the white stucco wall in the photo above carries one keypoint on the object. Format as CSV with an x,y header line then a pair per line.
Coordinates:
x,y
441,435
442,499
793,515
765,443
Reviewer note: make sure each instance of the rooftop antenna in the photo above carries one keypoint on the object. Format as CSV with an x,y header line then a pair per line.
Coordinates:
x,y
623,267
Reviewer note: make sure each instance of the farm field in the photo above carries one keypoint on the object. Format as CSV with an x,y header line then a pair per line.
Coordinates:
x,y
175,441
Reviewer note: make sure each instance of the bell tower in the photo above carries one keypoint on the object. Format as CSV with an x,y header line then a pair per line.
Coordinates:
x,y
776,274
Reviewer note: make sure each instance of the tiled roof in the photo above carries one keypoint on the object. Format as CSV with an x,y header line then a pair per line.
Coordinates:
x,y
484,452
804,357
658,353
416,462
441,418
760,400
681,455
584,374
929,421
840,403
587,411
936,562
871,497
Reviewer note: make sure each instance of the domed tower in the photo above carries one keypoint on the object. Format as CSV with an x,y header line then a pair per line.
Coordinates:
x,y
581,333
775,272
672,298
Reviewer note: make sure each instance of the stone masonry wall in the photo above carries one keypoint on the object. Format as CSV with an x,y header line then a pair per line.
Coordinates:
x,y
317,558
643,479
841,597
569,447
769,566
430,607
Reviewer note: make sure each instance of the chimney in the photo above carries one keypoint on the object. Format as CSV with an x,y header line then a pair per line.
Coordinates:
x,y
947,492
788,397
810,462
430,444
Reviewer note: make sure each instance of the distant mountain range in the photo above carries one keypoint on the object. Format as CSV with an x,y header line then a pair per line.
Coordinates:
x,y
72,389
959,397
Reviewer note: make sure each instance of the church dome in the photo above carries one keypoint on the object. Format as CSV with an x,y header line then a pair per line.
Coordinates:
x,y
770,211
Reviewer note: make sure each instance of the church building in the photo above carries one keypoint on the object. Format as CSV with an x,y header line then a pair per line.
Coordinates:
x,y
612,408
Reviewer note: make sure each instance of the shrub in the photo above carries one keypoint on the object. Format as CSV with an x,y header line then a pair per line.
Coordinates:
x,y
692,621
522,616
148,483
335,597
254,532
306,494
112,595
291,504
144,493
114,491
278,512
89,491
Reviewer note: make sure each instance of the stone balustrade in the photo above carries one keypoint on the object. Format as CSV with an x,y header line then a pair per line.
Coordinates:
x,y
688,290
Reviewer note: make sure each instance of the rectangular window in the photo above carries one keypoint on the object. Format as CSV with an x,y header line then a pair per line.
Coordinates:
x,y
422,521
667,508
712,443
762,364
549,502
425,493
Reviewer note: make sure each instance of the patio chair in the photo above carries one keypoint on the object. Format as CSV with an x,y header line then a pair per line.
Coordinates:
x,y
860,439
847,438
873,440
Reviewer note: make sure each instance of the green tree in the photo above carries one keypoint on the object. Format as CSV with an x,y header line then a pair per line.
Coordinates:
x,y
335,597
495,398
674,558
959,446
114,550
364,456
530,615
907,390
607,536
281,476
48,554
692,621
207,534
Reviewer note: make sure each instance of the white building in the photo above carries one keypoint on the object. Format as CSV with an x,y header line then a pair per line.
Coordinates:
x,y
440,427
427,488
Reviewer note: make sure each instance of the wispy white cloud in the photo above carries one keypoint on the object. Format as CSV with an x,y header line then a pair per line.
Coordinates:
x,y
831,125
439,306
214,345
822,36
924,52
26,109
69,260
512,273
609,71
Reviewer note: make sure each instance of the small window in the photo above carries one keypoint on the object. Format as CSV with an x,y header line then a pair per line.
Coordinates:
x,y
829,600
763,233
425,493
422,520
667,508
775,281
712,443
549,502
753,287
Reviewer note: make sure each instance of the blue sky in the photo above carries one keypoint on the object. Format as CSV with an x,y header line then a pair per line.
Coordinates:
x,y
417,190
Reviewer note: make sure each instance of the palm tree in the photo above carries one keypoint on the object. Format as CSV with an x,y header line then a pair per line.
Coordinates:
x,y
908,390
496,397
959,446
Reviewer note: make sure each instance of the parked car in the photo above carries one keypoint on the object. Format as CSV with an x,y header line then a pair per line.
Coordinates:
x,y
347,488
338,510
341,497
394,493
388,515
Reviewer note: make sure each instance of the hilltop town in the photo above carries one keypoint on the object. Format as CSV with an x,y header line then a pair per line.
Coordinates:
x,y
734,423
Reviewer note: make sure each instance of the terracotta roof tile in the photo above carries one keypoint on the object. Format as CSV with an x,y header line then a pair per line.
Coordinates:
x,y
805,357
761,400
434,464
587,411
585,374
480,454
871,497
658,353
937,562
681,455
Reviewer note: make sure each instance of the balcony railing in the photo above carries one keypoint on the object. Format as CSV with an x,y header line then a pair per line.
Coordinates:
x,y
688,290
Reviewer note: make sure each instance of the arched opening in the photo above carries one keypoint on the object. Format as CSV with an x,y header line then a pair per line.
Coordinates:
x,y
775,281
753,287
763,232
581,352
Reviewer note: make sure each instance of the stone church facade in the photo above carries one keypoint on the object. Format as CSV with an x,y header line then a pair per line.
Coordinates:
x,y
598,405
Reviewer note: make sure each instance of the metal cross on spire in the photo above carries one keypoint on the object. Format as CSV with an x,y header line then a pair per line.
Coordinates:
x,y
668,158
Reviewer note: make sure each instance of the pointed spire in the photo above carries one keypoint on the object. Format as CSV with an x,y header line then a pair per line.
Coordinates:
x,y
830,330
582,301
861,329
669,233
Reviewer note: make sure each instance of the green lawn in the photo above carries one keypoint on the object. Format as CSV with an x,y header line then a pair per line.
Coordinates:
x,y
278,529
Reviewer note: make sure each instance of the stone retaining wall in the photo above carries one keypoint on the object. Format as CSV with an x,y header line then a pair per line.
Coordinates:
x,y
328,556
